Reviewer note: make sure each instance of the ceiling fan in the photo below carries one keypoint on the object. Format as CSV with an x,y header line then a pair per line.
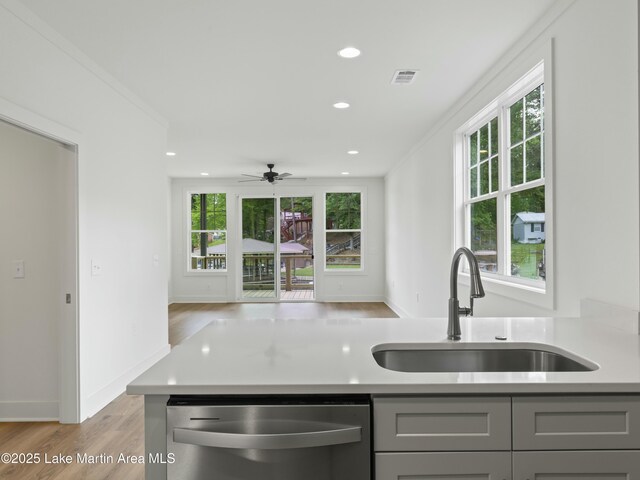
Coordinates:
x,y
270,176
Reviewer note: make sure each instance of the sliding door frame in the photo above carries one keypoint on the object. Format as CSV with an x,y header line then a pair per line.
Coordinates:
x,y
294,192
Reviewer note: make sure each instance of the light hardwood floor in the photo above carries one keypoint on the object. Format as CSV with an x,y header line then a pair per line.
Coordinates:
x,y
118,428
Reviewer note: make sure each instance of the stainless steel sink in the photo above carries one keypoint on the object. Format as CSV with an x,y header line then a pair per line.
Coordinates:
x,y
478,358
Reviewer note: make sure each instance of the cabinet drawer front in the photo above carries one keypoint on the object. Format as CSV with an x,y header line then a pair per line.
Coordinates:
x,y
440,424
576,423
439,466
592,465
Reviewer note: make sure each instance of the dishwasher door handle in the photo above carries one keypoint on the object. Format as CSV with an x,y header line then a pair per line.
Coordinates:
x,y
269,441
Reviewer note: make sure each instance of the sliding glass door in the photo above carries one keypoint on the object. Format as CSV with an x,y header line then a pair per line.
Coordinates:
x,y
260,268
296,248
277,249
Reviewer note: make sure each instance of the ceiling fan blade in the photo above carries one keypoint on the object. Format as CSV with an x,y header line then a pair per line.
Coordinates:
x,y
293,178
257,180
247,175
282,175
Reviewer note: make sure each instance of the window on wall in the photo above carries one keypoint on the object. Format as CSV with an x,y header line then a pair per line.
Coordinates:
x,y
504,184
343,235
208,232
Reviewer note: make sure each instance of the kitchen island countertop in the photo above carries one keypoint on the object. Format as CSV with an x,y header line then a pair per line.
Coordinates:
x,y
329,356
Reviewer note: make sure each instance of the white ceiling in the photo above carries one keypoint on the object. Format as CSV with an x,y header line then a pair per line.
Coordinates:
x,y
246,82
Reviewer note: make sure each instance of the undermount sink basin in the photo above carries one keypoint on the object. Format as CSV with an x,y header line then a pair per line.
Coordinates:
x,y
478,357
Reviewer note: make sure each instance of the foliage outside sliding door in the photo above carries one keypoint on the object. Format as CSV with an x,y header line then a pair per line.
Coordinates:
x,y
208,232
343,238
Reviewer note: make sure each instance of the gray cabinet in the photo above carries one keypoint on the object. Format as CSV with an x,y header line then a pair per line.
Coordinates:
x,y
588,464
442,424
577,422
501,438
441,465
442,437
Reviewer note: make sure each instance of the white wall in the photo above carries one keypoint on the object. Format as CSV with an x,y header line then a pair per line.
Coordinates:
x,y
330,286
121,196
32,215
596,173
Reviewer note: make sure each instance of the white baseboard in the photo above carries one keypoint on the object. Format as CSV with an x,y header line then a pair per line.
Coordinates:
x,y
28,411
97,401
399,311
352,298
621,318
199,299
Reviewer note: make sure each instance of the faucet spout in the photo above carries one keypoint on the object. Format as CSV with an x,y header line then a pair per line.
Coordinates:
x,y
477,291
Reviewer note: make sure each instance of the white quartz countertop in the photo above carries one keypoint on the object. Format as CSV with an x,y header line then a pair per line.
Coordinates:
x,y
241,357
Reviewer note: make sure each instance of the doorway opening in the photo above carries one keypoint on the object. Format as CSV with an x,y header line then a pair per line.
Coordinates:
x,y
38,208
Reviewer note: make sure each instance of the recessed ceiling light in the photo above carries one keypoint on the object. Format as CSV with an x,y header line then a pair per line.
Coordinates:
x,y
345,173
349,52
204,174
171,154
341,105
353,152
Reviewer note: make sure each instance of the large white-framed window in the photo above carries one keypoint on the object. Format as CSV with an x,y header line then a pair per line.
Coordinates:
x,y
343,231
502,176
207,232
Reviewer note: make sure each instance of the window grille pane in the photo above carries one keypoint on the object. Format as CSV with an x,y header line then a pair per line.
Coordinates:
x,y
473,149
484,234
484,142
484,178
197,244
494,136
215,211
515,122
495,183
195,212
208,250
473,182
527,234
343,250
534,149
343,211
517,173
533,113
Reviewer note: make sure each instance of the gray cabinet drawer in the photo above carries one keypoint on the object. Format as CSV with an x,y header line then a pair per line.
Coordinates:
x,y
576,423
437,466
442,423
592,465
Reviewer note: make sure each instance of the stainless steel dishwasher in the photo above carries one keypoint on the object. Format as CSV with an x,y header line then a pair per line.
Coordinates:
x,y
282,438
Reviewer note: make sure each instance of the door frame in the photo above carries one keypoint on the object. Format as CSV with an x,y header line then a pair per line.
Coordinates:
x,y
295,192
68,328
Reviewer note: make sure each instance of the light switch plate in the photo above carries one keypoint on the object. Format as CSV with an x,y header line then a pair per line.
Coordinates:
x,y
96,268
18,269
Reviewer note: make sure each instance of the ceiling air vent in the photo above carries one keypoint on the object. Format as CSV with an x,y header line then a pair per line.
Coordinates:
x,y
404,77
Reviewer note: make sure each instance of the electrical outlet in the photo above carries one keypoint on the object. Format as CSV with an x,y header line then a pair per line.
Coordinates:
x,y
18,269
156,260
